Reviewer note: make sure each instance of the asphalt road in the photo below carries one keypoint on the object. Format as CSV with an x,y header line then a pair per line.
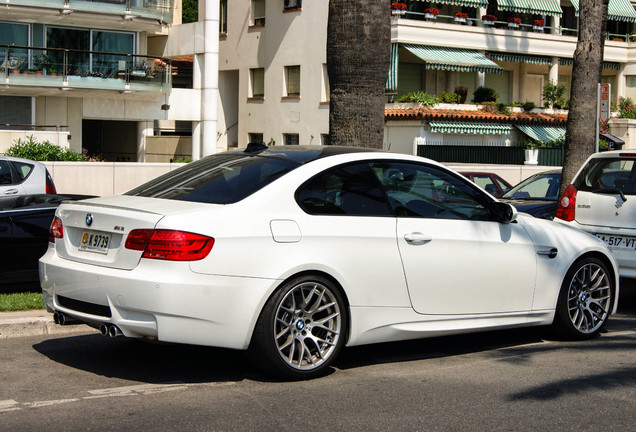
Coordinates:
x,y
497,381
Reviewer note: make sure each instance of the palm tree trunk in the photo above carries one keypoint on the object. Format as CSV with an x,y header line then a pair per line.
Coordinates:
x,y
580,138
358,53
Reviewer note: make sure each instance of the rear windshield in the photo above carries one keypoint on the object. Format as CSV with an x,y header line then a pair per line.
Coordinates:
x,y
608,173
224,178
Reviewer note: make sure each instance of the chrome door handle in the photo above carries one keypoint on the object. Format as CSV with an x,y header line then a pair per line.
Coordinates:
x,y
11,191
417,238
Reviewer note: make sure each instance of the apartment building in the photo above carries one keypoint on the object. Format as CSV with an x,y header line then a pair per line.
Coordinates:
x,y
273,83
113,78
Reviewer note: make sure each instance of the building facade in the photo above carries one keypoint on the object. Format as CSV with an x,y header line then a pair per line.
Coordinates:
x,y
108,77
274,87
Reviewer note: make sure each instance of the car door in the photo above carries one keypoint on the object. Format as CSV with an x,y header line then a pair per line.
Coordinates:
x,y
9,184
457,259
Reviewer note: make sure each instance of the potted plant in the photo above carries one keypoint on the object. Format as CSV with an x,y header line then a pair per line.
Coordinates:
x,y
460,16
537,25
398,8
531,153
489,19
513,22
42,63
431,13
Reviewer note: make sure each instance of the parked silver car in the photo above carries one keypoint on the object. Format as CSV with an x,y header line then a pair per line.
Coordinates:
x,y
24,177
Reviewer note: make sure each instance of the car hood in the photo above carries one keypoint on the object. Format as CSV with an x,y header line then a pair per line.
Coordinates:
x,y
544,209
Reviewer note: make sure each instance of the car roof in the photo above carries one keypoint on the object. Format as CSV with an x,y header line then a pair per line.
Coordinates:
x,y
301,154
614,153
17,159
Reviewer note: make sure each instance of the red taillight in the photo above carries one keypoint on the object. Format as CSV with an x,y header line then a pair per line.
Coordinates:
x,y
169,245
56,230
50,186
567,204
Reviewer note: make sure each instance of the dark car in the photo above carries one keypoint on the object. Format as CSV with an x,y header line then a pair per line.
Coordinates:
x,y
24,236
490,182
537,195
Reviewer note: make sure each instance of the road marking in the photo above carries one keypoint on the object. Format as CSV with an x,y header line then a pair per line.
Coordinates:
x,y
126,391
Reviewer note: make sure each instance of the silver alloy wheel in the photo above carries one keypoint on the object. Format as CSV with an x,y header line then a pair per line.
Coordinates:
x,y
307,325
589,298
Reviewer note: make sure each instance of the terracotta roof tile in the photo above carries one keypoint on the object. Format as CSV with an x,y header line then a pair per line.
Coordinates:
x,y
480,115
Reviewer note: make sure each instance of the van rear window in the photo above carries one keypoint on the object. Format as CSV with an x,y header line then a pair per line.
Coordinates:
x,y
607,173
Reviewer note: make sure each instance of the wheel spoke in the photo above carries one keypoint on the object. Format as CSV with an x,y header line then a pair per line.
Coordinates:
x,y
307,325
589,298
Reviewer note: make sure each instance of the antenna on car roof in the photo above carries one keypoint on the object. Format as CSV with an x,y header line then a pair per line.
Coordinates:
x,y
255,147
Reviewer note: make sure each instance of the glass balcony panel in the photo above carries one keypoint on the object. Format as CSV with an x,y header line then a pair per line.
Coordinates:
x,y
73,68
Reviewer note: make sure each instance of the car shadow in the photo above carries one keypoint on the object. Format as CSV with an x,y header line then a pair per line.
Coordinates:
x,y
152,362
148,362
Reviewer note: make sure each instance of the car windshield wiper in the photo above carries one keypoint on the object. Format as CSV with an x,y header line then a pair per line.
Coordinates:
x,y
612,190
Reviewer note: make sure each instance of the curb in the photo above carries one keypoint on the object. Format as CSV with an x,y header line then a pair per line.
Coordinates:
x,y
36,323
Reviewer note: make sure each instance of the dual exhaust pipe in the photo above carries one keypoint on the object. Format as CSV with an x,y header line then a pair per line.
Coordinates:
x,y
61,319
110,330
105,329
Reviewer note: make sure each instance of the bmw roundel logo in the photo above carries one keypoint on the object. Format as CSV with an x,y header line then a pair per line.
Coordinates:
x,y
300,325
89,219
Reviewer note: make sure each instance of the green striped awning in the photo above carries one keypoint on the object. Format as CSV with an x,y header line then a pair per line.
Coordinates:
x,y
392,79
520,58
606,65
454,59
544,134
617,10
469,128
535,7
467,3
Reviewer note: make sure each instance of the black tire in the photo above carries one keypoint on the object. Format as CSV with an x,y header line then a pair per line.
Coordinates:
x,y
585,300
300,330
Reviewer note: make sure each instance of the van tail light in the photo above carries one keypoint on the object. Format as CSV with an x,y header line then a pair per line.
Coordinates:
x,y
169,245
567,204
56,230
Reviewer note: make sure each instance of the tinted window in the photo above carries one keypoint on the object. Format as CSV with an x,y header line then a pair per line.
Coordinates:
x,y
5,173
606,173
416,190
219,179
347,190
23,169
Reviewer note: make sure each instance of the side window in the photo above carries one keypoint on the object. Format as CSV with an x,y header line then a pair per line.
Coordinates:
x,y
23,169
416,190
5,173
349,190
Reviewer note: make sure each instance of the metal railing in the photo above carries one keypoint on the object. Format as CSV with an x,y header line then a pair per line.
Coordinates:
x,y
66,65
421,16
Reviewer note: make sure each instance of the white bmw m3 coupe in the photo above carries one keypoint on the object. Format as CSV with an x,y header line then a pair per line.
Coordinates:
x,y
292,252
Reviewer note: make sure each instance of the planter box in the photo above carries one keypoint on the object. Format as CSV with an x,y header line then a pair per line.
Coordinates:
x,y
532,157
513,25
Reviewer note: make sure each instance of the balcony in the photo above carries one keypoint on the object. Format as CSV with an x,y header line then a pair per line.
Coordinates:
x,y
37,71
130,15
499,36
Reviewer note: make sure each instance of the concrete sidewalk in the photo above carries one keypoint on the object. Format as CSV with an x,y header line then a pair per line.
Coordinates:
x,y
35,323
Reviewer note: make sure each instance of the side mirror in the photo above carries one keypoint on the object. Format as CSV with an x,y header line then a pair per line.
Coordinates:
x,y
503,212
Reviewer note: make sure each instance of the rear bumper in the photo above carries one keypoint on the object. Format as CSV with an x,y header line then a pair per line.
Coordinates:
x,y
626,260
159,300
